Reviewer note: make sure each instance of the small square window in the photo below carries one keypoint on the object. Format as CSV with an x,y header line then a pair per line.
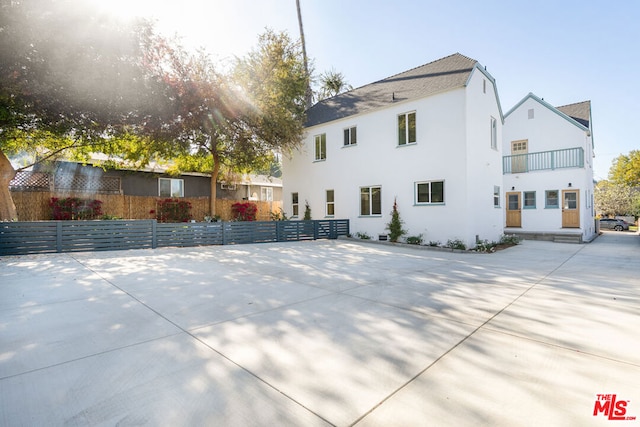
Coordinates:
x,y
350,136
529,200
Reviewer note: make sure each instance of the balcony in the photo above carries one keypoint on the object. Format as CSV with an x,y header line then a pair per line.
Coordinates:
x,y
544,160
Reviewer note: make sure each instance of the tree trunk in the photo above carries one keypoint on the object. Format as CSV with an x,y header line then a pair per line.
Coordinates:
x,y
214,184
7,207
308,94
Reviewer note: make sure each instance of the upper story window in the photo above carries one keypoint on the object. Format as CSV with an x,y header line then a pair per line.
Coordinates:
x,y
484,86
407,128
494,133
321,147
370,201
350,136
429,192
170,187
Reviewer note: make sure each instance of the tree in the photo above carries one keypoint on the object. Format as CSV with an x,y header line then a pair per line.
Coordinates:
x,y
237,120
69,78
395,225
332,83
625,169
613,199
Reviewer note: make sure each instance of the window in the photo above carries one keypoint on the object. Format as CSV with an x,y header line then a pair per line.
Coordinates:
x,y
407,128
530,113
169,187
496,196
350,136
529,200
266,194
330,203
551,199
321,147
294,204
429,192
494,133
484,86
370,201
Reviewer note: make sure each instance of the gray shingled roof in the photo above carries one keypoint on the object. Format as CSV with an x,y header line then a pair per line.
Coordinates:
x,y
580,112
438,76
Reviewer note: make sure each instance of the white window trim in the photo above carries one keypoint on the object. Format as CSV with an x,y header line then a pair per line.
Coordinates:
x,y
406,115
327,203
171,185
295,205
317,155
494,133
351,143
496,196
415,193
370,215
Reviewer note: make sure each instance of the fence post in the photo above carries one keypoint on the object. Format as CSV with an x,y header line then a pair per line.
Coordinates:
x,y
59,236
316,229
154,234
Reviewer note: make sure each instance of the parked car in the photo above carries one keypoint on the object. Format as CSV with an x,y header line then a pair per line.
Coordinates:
x,y
614,224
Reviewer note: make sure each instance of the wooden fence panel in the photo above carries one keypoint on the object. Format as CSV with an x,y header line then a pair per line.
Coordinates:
x,y
34,205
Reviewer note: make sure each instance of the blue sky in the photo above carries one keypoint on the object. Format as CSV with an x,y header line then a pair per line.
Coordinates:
x,y
564,51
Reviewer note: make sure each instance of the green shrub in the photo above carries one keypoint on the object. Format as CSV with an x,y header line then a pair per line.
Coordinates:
x,y
486,246
395,225
307,211
455,244
278,216
434,243
363,236
415,240
510,239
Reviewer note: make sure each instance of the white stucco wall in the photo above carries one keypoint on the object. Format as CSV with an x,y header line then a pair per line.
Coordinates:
x,y
545,132
445,124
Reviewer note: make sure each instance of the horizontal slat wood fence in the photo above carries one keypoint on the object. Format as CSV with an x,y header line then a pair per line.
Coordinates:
x,y
19,238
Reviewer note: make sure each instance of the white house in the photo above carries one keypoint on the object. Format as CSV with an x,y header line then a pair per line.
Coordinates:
x,y
548,170
429,138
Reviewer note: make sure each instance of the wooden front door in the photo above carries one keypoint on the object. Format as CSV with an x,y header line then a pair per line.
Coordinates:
x,y
514,217
571,208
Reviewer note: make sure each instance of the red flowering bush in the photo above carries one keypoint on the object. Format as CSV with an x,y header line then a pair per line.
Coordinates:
x,y
74,208
244,211
173,210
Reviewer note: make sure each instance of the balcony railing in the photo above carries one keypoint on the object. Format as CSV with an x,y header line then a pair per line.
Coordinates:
x,y
543,160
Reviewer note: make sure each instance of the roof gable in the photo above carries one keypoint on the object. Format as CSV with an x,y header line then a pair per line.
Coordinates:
x,y
577,121
438,76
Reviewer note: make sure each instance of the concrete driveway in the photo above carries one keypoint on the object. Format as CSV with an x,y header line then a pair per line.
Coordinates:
x,y
323,333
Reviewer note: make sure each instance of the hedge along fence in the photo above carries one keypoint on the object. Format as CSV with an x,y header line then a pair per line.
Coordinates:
x,y
20,238
34,205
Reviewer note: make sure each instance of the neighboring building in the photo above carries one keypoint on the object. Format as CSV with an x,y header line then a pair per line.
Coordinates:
x,y
71,176
548,169
429,138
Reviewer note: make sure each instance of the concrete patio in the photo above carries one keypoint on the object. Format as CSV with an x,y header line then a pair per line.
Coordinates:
x,y
322,333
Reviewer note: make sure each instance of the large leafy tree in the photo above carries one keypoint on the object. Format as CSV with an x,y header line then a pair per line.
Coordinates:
x,y
70,78
613,199
625,169
233,121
